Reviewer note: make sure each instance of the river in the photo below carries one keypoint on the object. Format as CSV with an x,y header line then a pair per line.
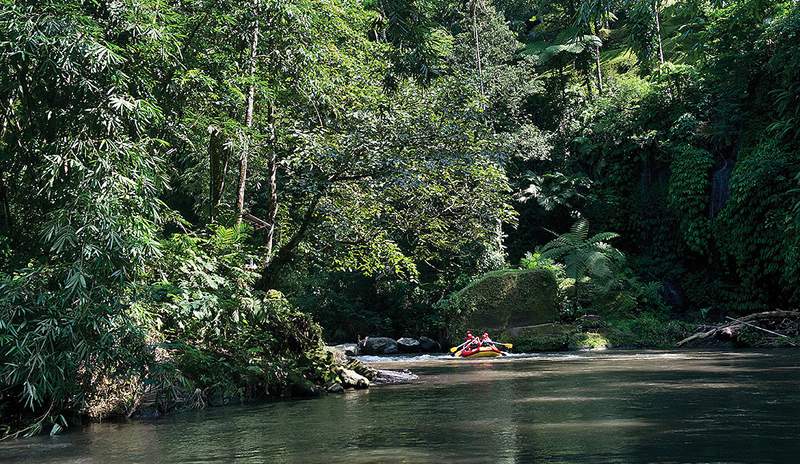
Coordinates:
x,y
614,406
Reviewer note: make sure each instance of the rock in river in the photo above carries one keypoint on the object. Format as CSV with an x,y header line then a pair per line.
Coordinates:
x,y
428,345
378,345
388,377
352,379
409,345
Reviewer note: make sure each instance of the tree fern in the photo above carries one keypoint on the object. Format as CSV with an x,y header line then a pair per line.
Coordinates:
x,y
592,263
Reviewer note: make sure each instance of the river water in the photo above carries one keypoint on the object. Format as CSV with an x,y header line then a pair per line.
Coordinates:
x,y
622,407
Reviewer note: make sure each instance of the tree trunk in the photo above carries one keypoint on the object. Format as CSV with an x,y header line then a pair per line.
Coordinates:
x,y
478,50
599,71
597,61
5,211
248,120
272,187
658,33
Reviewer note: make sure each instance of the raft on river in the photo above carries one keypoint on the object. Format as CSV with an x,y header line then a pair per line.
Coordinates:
x,y
489,351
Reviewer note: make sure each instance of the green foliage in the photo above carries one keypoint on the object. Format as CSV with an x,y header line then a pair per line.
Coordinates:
x,y
53,348
648,331
222,334
536,261
591,264
588,341
689,195
753,227
376,147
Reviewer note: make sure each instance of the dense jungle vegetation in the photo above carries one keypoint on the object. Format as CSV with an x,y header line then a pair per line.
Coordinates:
x,y
195,193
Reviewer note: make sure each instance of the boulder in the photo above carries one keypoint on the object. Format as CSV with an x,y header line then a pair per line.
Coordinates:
x,y
409,345
352,379
503,299
390,377
378,345
428,345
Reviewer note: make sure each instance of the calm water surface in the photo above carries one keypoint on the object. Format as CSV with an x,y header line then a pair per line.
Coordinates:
x,y
665,407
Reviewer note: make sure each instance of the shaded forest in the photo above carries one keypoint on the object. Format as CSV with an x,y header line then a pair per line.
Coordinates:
x,y
195,194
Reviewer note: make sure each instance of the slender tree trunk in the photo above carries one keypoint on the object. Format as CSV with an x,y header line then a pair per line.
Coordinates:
x,y
248,119
597,61
5,211
478,48
272,187
382,35
599,71
658,32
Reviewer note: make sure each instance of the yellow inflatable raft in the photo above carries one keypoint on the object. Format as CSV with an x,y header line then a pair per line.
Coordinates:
x,y
482,352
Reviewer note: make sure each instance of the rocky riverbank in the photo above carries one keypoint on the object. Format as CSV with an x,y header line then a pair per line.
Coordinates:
x,y
354,374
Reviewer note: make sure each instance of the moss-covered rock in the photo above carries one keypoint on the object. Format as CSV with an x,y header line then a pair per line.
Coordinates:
x,y
503,299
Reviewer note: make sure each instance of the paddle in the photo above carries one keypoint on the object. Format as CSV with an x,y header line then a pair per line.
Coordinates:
x,y
507,345
456,348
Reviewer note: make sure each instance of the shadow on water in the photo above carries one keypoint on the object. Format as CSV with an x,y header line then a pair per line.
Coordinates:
x,y
667,407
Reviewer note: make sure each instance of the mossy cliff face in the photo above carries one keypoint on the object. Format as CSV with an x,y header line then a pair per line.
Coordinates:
x,y
503,299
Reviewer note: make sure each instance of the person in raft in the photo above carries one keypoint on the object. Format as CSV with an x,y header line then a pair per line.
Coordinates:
x,y
485,340
472,342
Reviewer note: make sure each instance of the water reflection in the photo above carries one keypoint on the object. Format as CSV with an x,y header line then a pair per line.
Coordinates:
x,y
589,407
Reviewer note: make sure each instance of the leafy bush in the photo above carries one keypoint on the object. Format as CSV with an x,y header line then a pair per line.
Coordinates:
x,y
648,331
222,335
753,228
196,325
690,193
54,348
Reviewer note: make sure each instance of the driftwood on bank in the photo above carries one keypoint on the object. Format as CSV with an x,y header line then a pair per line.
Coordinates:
x,y
730,330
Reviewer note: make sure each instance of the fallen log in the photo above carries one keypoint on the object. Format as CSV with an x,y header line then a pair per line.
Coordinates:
x,y
729,330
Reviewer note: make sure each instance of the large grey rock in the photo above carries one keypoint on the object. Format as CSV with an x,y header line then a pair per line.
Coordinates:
x,y
352,379
429,345
389,377
408,345
378,345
